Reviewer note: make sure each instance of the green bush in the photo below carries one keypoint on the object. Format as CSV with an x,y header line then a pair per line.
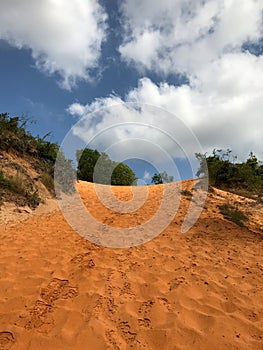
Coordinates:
x,y
13,135
25,193
17,185
41,153
46,149
224,172
33,199
232,214
4,183
48,181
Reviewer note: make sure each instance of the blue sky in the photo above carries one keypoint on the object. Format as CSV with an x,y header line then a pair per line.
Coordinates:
x,y
201,61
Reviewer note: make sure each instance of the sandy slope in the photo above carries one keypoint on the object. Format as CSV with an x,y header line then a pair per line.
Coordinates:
x,y
200,290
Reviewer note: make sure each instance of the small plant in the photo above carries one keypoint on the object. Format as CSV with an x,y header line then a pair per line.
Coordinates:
x,y
33,199
232,214
4,183
48,181
15,185
186,193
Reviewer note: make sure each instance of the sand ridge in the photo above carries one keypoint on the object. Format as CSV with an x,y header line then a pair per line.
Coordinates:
x,y
199,290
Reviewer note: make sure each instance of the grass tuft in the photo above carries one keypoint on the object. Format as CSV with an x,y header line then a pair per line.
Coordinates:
x,y
232,214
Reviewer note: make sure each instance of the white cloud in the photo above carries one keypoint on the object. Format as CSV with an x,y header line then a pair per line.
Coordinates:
x,y
146,176
223,102
131,130
65,37
223,108
184,36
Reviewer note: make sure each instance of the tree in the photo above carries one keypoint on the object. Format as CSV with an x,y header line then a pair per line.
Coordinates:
x,y
157,179
97,167
103,170
123,176
166,178
160,178
87,160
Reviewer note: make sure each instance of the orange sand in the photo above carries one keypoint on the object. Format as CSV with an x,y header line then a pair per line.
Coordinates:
x,y
199,290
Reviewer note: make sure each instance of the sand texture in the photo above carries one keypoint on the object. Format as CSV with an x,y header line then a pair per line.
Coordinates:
x,y
198,290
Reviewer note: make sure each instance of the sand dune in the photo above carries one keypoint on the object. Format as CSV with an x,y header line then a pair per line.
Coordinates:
x,y
199,290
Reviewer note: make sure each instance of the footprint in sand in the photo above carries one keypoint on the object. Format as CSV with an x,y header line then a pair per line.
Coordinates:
x,y
83,261
125,329
6,340
113,339
80,258
165,303
58,289
175,283
93,306
145,308
39,313
145,322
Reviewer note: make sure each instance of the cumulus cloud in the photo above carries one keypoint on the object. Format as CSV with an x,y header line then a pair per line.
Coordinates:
x,y
223,109
64,37
146,176
184,36
222,103
126,129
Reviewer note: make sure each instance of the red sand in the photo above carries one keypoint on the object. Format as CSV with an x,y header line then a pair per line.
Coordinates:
x,y
199,290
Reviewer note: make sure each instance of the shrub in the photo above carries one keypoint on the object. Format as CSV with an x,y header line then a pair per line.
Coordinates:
x,y
33,199
4,183
48,181
46,149
17,185
232,214
224,172
26,195
41,153
186,193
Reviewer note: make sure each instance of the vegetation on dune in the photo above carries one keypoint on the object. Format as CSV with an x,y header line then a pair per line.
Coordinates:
x,y
242,178
13,135
22,193
226,173
160,178
186,193
123,176
94,166
233,214
40,154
